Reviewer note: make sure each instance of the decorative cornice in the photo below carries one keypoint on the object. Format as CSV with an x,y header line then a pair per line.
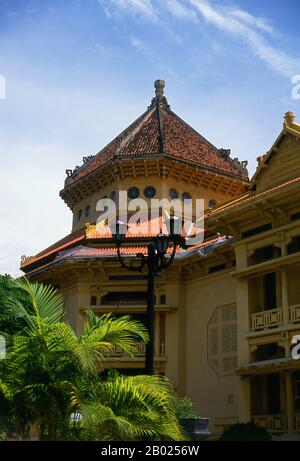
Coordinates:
x,y
90,230
26,260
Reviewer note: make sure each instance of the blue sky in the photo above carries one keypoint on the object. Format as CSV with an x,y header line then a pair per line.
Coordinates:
x,y
78,71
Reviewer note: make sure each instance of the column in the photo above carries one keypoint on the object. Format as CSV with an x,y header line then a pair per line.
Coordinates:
x,y
289,400
157,334
285,295
243,348
244,400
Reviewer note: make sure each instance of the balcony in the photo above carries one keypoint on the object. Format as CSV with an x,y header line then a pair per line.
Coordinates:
x,y
267,319
140,352
272,423
294,313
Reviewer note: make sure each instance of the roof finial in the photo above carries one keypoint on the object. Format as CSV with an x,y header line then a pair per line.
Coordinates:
x,y
289,118
159,99
159,88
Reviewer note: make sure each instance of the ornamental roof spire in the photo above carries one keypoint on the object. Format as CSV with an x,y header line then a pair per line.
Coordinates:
x,y
159,86
159,99
289,118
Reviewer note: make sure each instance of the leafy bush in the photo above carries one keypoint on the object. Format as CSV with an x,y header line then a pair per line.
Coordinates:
x,y
52,384
10,324
185,408
245,432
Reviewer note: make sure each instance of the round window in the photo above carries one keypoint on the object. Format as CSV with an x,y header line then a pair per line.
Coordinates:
x,y
173,194
149,192
212,203
133,192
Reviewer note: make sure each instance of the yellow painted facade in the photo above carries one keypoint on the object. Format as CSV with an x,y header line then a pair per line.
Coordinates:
x,y
224,319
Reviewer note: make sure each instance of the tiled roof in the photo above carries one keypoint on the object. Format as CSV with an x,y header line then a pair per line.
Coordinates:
x,y
160,132
83,252
69,245
144,229
130,250
66,242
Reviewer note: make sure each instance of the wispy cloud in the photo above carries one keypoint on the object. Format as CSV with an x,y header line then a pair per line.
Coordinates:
x,y
178,10
241,25
143,7
139,45
254,31
105,50
142,47
256,22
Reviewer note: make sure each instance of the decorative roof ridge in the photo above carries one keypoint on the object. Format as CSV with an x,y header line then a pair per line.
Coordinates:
x,y
158,101
119,138
160,127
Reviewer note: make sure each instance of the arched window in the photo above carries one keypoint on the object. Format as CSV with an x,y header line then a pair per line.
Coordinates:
x,y
93,301
162,299
87,211
173,194
186,196
79,215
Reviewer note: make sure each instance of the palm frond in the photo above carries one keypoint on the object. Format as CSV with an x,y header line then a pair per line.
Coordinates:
x,y
47,303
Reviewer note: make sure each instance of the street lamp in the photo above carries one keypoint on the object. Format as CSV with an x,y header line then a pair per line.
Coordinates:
x,y
154,261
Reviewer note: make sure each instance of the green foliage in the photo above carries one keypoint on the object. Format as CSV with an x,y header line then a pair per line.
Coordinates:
x,y
245,432
185,408
50,375
9,323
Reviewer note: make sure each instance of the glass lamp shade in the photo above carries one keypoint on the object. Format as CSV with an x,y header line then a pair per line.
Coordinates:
x,y
176,225
162,244
119,233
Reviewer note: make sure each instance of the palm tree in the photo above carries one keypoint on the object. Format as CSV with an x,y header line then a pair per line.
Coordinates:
x,y
52,380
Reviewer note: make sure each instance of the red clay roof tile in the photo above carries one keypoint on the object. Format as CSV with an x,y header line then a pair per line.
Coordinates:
x,y
159,131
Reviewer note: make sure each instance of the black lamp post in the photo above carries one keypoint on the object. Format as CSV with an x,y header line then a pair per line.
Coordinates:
x,y
155,261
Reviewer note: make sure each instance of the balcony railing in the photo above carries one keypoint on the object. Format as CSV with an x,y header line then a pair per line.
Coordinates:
x,y
140,351
295,313
266,319
272,423
297,422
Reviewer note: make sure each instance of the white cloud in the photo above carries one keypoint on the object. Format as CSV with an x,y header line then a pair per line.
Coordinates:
x,y
144,7
238,24
178,10
258,23
139,44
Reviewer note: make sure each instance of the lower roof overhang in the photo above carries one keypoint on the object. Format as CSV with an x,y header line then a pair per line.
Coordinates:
x,y
268,366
